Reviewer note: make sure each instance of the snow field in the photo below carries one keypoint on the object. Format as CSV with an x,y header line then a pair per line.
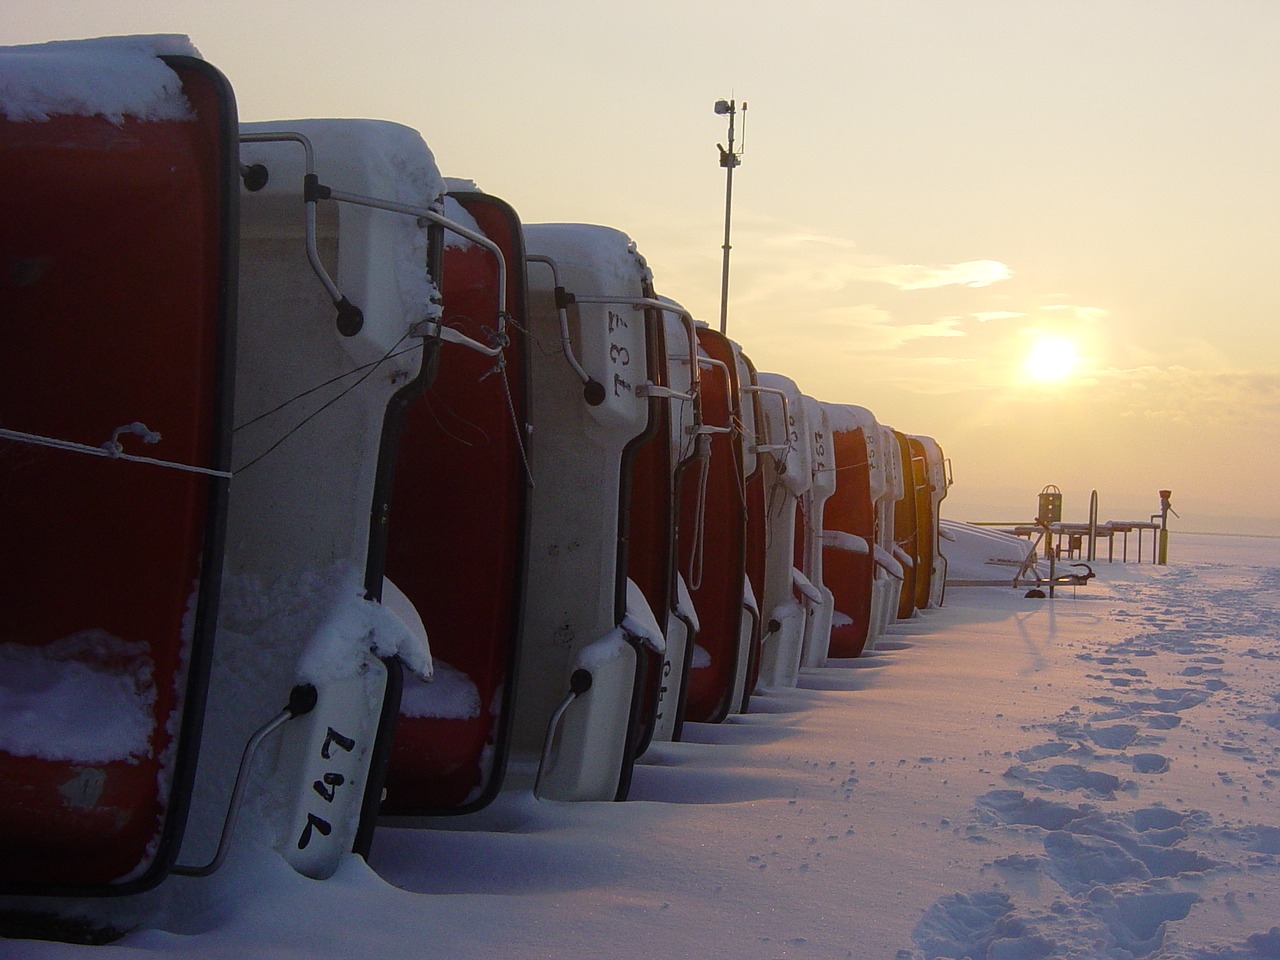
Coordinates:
x,y
1001,778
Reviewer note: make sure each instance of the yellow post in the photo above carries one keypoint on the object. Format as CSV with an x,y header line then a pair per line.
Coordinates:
x,y
1162,556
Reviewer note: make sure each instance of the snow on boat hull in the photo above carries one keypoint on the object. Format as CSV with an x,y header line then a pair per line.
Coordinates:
x,y
117,241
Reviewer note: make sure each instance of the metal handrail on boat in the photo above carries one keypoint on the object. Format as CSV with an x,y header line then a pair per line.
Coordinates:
x,y
786,417
712,363
563,299
653,303
350,317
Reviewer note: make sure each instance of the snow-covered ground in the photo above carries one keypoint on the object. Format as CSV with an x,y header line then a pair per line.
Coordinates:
x,y
1093,776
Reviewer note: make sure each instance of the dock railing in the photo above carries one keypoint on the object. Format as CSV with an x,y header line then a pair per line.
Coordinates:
x,y
1075,540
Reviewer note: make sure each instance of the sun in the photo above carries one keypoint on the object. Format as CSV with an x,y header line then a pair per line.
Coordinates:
x,y
1052,359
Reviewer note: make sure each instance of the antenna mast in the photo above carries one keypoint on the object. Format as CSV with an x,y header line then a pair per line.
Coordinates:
x,y
729,158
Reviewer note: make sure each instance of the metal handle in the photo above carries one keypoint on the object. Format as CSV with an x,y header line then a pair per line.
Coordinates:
x,y
302,700
579,683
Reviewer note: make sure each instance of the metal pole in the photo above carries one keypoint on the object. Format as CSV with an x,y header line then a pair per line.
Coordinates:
x,y
1093,522
728,161
1165,509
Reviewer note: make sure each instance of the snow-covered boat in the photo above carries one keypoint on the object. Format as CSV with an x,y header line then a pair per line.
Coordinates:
x,y
906,526
755,448
890,573
714,620
849,533
583,625
117,231
787,596
456,525
649,526
336,308
937,474
810,533
683,416
981,556
712,536
758,448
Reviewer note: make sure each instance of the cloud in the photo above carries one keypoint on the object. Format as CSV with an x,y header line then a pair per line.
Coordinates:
x,y
793,283
1194,398
841,262
805,239
860,329
912,276
1083,314
886,334
991,316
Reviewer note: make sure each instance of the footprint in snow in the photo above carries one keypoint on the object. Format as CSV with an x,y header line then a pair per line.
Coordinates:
x,y
1138,921
1080,858
967,925
989,924
1149,763
1054,748
1114,737
1067,776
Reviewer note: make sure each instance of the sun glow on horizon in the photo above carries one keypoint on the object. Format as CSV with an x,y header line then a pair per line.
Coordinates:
x,y
1052,359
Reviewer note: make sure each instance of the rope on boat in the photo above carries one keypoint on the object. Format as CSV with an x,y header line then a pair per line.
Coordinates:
x,y
112,449
700,514
334,379
515,425
501,340
369,370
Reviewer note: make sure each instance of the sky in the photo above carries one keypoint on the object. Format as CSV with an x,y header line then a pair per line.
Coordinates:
x,y
932,193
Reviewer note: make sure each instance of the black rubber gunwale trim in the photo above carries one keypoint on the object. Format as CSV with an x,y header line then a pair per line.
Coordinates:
x,y
207,603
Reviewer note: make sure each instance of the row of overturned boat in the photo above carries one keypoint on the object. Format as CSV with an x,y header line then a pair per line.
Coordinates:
x,y
335,495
